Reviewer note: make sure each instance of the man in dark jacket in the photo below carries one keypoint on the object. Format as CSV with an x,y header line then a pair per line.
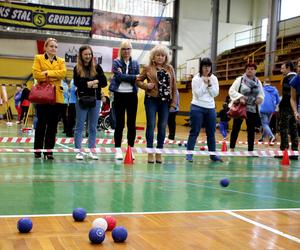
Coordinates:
x,y
287,121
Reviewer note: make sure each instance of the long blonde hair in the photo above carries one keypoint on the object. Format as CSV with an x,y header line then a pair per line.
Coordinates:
x,y
81,70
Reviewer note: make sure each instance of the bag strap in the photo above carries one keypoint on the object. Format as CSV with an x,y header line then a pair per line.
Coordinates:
x,y
240,85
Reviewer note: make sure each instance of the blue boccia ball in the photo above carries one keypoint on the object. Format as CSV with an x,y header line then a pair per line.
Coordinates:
x,y
119,234
79,214
97,235
224,182
24,225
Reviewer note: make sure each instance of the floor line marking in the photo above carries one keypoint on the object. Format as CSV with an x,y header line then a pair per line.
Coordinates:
x,y
255,223
160,212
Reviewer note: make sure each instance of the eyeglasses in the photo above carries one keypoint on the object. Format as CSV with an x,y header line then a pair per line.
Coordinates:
x,y
126,48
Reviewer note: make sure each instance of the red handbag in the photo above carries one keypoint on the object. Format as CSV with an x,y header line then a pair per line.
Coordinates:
x,y
43,93
238,110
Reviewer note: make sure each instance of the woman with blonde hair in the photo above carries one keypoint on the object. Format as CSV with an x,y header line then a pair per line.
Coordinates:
x,y
123,87
160,96
48,67
89,78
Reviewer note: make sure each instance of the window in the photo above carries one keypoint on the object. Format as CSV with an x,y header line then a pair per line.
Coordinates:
x,y
289,9
264,29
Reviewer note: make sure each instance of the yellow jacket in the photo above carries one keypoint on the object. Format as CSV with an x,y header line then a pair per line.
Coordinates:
x,y
56,71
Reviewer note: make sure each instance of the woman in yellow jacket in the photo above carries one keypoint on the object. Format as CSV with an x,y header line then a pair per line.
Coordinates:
x,y
48,67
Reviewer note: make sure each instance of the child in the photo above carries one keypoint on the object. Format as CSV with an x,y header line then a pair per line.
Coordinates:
x,y
224,119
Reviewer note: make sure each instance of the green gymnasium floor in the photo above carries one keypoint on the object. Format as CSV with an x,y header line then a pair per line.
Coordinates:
x,y
37,186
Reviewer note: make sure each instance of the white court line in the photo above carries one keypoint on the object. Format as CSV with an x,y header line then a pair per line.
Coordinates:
x,y
275,231
159,212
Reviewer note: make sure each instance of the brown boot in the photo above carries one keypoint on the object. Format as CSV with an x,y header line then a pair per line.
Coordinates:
x,y
150,158
158,158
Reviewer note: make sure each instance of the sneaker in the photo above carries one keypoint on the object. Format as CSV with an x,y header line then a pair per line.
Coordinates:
x,y
92,156
261,140
189,157
133,158
272,140
79,157
118,154
216,158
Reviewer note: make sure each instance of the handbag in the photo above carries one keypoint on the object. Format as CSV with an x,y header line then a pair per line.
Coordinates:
x,y
43,93
238,110
86,102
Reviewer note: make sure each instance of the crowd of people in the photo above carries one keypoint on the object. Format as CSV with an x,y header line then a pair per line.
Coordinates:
x,y
79,102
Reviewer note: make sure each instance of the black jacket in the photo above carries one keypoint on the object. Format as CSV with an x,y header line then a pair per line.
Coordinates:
x,y
81,83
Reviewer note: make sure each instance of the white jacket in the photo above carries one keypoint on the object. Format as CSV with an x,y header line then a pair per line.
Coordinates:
x,y
234,93
203,96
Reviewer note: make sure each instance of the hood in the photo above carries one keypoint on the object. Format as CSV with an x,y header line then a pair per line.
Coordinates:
x,y
269,88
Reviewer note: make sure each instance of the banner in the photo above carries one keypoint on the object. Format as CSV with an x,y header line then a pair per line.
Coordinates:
x,y
131,27
102,55
45,17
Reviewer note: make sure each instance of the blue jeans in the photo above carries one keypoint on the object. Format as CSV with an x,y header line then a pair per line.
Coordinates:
x,y
265,122
155,105
223,129
92,114
198,117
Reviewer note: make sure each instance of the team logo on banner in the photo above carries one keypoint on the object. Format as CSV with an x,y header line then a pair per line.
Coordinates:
x,y
45,17
39,19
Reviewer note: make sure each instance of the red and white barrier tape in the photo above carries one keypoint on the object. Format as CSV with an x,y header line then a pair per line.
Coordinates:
x,y
111,141
260,153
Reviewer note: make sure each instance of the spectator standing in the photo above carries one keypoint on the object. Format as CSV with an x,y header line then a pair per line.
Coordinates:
x,y
267,109
248,90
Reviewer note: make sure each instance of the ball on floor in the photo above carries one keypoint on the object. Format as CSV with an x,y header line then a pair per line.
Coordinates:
x,y
224,182
100,222
139,137
111,222
119,234
97,235
24,225
79,214
202,148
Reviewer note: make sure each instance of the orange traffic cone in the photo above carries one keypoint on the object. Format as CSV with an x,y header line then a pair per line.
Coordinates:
x,y
224,146
285,158
128,157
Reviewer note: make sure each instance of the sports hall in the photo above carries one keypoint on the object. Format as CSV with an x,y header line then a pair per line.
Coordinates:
x,y
250,200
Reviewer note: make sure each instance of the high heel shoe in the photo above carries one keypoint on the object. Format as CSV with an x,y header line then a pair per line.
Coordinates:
x,y
49,157
37,155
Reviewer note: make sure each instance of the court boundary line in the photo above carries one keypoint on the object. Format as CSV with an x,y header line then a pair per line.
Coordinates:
x,y
159,212
263,226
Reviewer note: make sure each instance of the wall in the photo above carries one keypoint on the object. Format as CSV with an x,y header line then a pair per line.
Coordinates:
x,y
195,26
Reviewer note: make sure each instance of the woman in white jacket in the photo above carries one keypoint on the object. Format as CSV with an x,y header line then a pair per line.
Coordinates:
x,y
205,87
248,90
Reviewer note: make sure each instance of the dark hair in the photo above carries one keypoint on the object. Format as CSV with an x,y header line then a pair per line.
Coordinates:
x,y
290,65
251,65
205,62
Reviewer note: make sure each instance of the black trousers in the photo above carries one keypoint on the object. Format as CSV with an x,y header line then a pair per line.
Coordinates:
x,y
63,115
288,126
250,122
172,125
71,120
125,103
46,127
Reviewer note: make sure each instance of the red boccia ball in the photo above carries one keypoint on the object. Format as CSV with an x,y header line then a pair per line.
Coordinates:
x,y
111,222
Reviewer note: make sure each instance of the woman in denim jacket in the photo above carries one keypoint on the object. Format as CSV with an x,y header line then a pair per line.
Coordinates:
x,y
123,86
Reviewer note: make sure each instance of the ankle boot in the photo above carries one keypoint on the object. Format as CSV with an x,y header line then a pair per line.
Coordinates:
x,y
150,158
158,158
